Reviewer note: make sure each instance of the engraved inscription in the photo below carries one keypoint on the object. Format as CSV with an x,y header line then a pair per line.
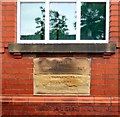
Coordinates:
x,y
65,65
64,75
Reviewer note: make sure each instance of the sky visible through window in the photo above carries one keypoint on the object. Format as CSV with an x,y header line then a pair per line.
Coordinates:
x,y
30,11
62,21
68,10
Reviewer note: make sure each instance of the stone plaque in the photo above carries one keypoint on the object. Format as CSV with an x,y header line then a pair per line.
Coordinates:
x,y
64,75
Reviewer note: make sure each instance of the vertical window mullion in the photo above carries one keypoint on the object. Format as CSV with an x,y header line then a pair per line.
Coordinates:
x,y
46,21
78,21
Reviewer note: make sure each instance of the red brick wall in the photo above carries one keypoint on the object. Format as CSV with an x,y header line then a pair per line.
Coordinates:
x,y
17,77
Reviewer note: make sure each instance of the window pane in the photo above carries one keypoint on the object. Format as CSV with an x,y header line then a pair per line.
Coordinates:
x,y
32,21
93,18
62,21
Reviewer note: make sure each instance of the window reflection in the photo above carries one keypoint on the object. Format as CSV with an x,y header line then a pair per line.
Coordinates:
x,y
93,16
32,21
62,21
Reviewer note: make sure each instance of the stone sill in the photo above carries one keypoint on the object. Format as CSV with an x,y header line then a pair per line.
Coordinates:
x,y
63,48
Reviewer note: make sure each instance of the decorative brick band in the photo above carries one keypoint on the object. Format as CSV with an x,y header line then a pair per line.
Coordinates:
x,y
74,99
50,106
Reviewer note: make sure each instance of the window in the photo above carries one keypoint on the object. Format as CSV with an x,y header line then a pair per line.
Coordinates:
x,y
63,21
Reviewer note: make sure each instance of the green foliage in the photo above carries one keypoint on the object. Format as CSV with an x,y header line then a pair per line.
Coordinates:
x,y
93,17
40,21
58,25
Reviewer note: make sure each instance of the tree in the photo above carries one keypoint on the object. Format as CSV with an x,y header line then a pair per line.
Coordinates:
x,y
93,20
58,27
41,24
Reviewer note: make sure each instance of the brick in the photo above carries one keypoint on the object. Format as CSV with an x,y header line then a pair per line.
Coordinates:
x,y
3,18
114,7
6,44
20,113
109,76
10,8
115,99
114,13
111,92
112,87
8,71
98,60
10,29
113,71
102,99
8,107
87,109
115,39
114,18
114,2
119,33
9,35
1,50
9,76
98,76
109,81
9,13
20,99
18,61
19,81
114,29
9,3
36,113
101,109
3,71
99,71
3,84
8,113
24,76
16,86
20,66
10,18
97,86
20,91
109,114
114,24
98,66
96,92
86,100
112,61
97,81
21,107
113,66
9,23
114,108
